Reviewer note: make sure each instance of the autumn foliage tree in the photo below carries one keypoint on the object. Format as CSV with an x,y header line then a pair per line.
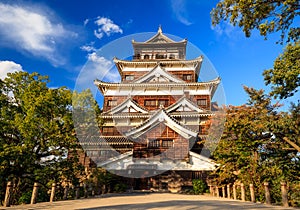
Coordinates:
x,y
252,149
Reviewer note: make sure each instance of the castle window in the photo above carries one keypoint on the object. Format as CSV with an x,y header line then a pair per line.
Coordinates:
x,y
160,143
146,56
137,56
129,77
167,143
112,103
154,143
202,102
150,103
187,77
163,102
171,56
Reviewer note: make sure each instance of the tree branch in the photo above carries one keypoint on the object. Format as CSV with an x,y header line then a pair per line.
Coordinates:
x,y
294,145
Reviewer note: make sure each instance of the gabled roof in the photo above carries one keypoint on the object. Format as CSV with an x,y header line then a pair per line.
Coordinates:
x,y
127,106
159,38
157,74
161,117
184,105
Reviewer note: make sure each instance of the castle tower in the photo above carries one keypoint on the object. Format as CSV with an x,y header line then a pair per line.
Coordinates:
x,y
159,111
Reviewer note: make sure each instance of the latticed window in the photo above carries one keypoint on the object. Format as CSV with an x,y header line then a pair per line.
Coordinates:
x,y
129,77
156,102
154,143
187,77
163,102
112,103
158,143
202,102
150,102
167,143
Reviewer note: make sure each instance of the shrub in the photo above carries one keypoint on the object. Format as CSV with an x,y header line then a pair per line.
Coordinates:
x,y
199,186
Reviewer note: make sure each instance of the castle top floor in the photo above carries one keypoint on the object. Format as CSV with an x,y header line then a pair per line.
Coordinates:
x,y
159,47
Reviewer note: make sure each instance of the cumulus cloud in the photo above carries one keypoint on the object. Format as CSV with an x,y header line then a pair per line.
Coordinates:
x,y
103,68
106,26
181,13
88,48
8,67
32,31
97,67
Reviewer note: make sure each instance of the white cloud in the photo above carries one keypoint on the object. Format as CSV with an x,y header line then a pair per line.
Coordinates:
x,y
31,31
181,13
86,21
88,48
8,67
106,26
103,68
225,28
97,67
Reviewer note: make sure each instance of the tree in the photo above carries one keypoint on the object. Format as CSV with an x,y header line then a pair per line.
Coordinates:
x,y
251,149
284,78
269,16
36,132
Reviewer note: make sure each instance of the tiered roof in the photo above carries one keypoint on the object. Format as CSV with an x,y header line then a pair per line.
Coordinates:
x,y
212,85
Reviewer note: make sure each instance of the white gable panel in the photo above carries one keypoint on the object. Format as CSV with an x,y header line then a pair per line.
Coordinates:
x,y
160,74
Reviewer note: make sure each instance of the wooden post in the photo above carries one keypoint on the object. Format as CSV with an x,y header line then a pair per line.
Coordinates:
x,y
66,192
52,196
77,192
223,192
267,193
8,192
252,193
234,191
85,190
34,193
217,191
243,192
211,189
284,194
228,191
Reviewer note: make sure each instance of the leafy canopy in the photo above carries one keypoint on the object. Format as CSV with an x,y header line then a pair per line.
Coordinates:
x,y
269,16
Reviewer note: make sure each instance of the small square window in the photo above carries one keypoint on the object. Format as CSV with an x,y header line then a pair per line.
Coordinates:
x,y
150,103
202,102
187,77
112,103
129,77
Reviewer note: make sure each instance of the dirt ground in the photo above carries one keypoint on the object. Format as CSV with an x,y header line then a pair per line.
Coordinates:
x,y
152,201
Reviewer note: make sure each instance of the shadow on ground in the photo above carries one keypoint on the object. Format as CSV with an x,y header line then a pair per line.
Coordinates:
x,y
180,204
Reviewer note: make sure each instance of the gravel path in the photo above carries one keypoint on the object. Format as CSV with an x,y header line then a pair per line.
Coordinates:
x,y
152,201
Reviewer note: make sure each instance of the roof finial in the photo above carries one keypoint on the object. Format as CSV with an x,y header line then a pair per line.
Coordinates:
x,y
159,29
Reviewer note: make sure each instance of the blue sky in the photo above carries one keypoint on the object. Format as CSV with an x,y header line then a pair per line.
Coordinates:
x,y
58,37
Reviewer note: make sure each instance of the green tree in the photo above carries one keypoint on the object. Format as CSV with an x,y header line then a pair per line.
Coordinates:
x,y
284,77
36,132
252,147
269,16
